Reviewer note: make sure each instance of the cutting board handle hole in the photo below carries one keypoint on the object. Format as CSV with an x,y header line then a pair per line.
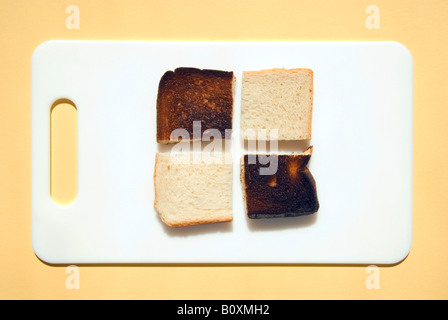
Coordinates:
x,y
63,152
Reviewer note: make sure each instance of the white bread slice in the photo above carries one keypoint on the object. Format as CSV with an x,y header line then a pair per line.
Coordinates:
x,y
278,99
192,193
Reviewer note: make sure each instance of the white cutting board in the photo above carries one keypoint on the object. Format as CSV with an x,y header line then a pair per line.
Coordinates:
x,y
362,159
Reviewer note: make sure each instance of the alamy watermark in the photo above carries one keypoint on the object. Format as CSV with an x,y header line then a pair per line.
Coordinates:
x,y
72,21
189,149
373,280
73,279
373,18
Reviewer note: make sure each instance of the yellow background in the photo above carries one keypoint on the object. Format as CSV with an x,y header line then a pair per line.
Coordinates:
x,y
422,26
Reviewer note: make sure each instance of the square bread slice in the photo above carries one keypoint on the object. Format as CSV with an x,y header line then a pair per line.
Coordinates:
x,y
186,95
289,192
279,99
190,193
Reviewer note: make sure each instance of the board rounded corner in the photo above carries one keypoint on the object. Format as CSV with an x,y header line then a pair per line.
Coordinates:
x,y
40,254
40,49
405,50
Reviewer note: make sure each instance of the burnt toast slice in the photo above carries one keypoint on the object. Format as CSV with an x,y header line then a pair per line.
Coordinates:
x,y
186,95
289,192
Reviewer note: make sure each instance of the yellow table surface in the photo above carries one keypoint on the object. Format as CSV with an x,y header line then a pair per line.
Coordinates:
x,y
422,26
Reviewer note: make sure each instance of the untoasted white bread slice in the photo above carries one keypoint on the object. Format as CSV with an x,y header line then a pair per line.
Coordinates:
x,y
279,99
192,193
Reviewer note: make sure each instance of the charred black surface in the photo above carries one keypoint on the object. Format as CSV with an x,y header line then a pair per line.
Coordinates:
x,y
188,94
290,192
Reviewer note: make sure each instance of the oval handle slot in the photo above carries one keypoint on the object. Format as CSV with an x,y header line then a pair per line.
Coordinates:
x,y
63,152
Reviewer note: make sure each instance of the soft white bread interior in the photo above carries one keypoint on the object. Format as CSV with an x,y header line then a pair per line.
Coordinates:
x,y
279,99
190,192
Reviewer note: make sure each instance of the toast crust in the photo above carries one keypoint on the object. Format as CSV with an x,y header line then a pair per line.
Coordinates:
x,y
270,71
194,222
186,95
290,192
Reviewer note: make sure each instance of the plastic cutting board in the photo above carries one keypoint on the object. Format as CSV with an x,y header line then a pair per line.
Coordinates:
x,y
362,159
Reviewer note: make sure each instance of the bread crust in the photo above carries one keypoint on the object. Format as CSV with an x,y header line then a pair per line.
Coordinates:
x,y
270,71
195,222
155,181
186,95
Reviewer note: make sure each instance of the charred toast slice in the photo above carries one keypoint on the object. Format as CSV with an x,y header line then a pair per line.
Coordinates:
x,y
289,192
186,95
